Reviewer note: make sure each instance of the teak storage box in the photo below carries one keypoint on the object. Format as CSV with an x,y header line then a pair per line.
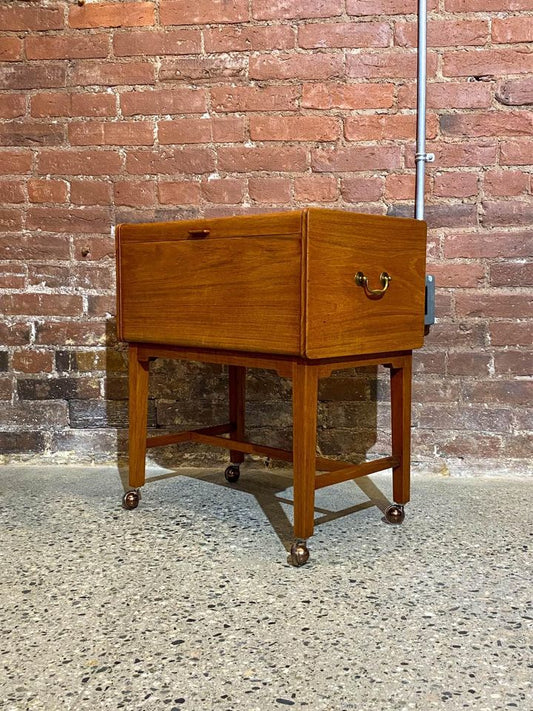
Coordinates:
x,y
303,292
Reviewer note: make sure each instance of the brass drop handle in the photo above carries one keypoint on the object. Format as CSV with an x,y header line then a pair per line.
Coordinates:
x,y
361,280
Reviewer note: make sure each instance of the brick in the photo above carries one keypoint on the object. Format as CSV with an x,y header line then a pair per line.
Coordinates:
x,y
151,42
14,334
32,76
349,159
37,416
502,392
17,18
381,7
384,127
101,306
316,188
64,388
488,5
509,333
15,162
193,130
505,213
242,159
6,393
190,159
252,98
22,442
515,92
93,247
48,104
511,274
11,191
29,133
184,12
491,123
294,128
32,361
470,154
4,361
47,190
179,192
10,49
273,190
296,66
66,47
12,106
78,162
41,304
58,219
51,276
494,304
119,133
449,95
444,33
90,192
228,191
505,183
344,34
487,62
516,152
166,101
116,14
25,247
512,29
455,184
362,189
513,363
248,38
93,73
93,276
449,275
488,245
60,333
399,186
216,67
295,9
347,96
140,193
10,219
437,216
385,64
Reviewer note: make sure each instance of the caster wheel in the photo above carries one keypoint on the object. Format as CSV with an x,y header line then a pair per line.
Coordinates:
x,y
232,473
131,499
299,554
395,513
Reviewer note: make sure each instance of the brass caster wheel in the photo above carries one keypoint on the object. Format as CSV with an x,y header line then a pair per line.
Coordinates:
x,y
299,554
131,499
232,473
395,513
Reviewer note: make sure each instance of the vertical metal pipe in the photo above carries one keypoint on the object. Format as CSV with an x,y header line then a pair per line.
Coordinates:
x,y
421,157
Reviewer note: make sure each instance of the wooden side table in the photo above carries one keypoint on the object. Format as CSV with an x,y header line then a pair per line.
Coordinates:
x,y
303,293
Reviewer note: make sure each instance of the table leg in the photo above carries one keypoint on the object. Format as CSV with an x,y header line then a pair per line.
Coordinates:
x,y
304,412
138,416
237,394
401,429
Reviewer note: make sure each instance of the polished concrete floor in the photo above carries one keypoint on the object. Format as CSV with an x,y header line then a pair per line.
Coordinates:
x,y
188,601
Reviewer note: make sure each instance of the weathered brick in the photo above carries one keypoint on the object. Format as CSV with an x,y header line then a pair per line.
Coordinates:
x,y
385,128
509,333
456,184
30,133
487,5
252,98
489,245
493,123
500,392
449,275
10,49
22,442
505,183
444,33
51,276
59,219
506,213
112,14
248,38
347,96
242,159
515,92
139,193
228,191
362,189
295,9
12,106
344,34
10,219
191,159
91,72
32,76
511,274
296,66
61,333
163,101
90,192
276,191
516,152
201,130
25,247
14,333
494,304
179,192
32,361
117,133
217,67
512,29
386,63
449,95
11,191
349,159
70,161
48,104
19,18
32,304
183,12
150,42
514,363
66,47
382,7
294,128
62,388
4,361
468,154
43,190
316,188
487,62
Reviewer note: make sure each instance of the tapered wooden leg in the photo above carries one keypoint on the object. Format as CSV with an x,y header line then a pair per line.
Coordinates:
x,y
401,429
138,417
237,394
304,412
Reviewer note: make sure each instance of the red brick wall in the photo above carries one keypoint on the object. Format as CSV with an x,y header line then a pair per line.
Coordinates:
x,y
161,109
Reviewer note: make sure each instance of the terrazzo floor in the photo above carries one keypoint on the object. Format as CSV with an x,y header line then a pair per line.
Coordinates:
x,y
188,602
